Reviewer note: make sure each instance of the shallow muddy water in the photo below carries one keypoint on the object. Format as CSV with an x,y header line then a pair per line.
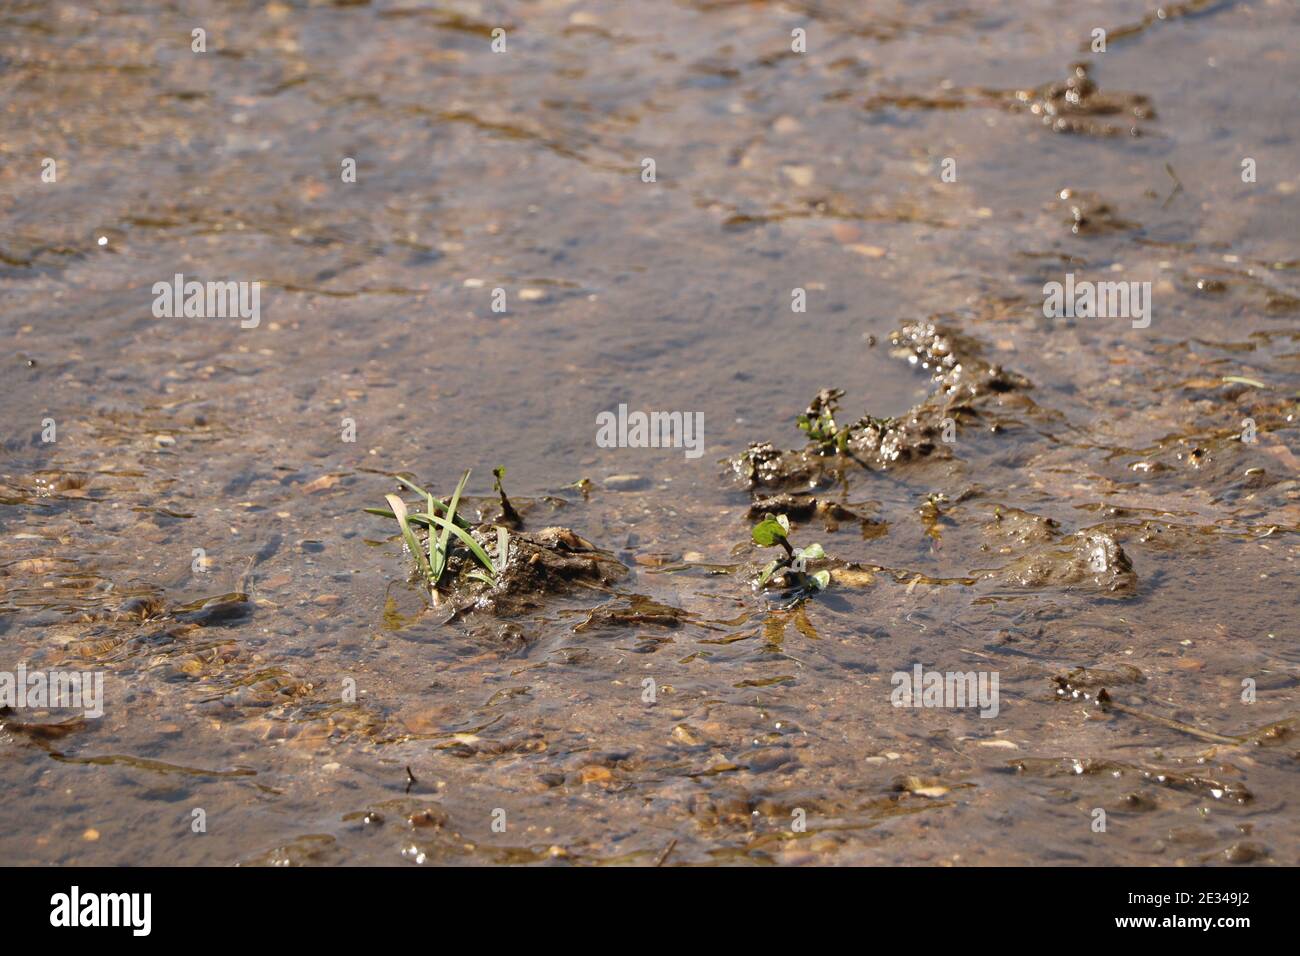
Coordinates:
x,y
1108,512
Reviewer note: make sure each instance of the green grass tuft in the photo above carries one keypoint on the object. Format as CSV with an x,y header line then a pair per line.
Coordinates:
x,y
447,530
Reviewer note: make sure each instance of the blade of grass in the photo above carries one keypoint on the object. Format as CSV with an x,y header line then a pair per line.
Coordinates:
x,y
437,557
450,522
503,550
417,518
412,485
399,512
463,535
441,508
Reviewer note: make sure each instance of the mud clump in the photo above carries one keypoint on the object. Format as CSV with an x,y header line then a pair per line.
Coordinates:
x,y
964,382
1013,527
1077,105
1088,684
797,507
762,464
635,610
1087,214
548,561
807,507
1091,559
1043,556
954,361
217,611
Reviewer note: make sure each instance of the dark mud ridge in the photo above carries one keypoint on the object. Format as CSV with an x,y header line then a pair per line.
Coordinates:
x,y
964,382
549,561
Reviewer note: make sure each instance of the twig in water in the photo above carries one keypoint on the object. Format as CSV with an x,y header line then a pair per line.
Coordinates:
x,y
663,854
1105,702
1178,185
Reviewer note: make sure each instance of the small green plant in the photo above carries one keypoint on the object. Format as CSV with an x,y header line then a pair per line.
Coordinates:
x,y
443,523
881,425
775,530
508,511
818,422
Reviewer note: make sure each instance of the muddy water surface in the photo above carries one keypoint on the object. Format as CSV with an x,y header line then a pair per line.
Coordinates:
x,y
1104,515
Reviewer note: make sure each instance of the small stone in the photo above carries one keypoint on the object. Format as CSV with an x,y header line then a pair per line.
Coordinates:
x,y
164,441
846,232
323,483
1245,853
799,175
626,482
428,817
326,600
768,759
91,835
871,252
595,775
920,786
687,735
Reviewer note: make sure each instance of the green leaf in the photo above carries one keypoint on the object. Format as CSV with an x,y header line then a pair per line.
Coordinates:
x,y
822,580
412,543
464,536
770,529
448,525
436,558
417,518
767,572
412,485
438,505
813,552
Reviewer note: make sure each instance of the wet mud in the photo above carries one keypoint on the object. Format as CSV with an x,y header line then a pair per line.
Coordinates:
x,y
1104,516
